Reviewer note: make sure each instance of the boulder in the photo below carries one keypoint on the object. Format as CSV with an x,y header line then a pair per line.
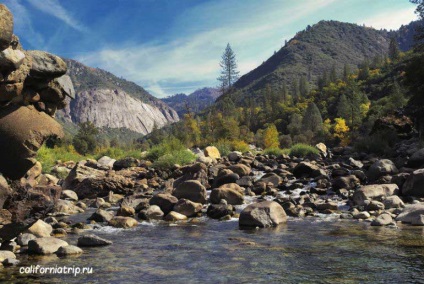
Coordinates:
x,y
226,178
217,211
125,211
308,170
232,196
175,216
369,192
361,215
417,159
414,184
273,178
347,182
375,206
153,212
23,130
5,217
187,207
40,229
69,250
45,246
322,149
123,222
69,194
418,221
67,206
262,214
381,168
66,86
92,241
234,156
411,213
101,216
213,152
125,163
5,190
106,161
11,59
382,220
46,65
24,238
165,201
6,27
192,190
5,254
240,169
393,202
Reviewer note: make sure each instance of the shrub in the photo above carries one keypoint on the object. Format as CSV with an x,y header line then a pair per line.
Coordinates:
x,y
168,146
303,150
380,143
181,157
224,147
239,145
275,151
48,156
118,153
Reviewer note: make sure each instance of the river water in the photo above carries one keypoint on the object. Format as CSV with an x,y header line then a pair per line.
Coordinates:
x,y
314,249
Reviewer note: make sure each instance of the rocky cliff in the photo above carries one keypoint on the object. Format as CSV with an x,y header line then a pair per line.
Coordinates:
x,y
112,102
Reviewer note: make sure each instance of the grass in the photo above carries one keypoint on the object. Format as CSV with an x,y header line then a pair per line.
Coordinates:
x,y
170,152
48,156
276,151
297,150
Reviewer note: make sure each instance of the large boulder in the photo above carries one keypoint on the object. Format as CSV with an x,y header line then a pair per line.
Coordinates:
x,y
4,254
213,152
6,27
232,193
101,216
417,159
192,190
46,65
308,170
45,246
273,178
5,191
23,130
262,214
123,222
373,191
411,213
40,229
240,169
347,182
381,168
225,179
165,201
414,184
217,211
187,207
91,240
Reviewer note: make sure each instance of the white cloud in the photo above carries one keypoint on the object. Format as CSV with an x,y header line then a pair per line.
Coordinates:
x,y
53,8
392,21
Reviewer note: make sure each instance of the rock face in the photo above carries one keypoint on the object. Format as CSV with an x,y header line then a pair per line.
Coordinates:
x,y
262,214
414,184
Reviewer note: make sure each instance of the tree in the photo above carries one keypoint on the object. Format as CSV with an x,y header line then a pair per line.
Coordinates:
x,y
364,71
312,120
341,131
394,52
346,72
270,137
303,87
295,125
419,31
85,140
333,74
229,73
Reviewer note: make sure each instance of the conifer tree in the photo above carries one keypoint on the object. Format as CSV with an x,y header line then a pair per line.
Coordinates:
x,y
303,87
229,72
312,120
394,52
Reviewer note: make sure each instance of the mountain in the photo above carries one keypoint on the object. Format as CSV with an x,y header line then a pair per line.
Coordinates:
x,y
196,101
316,50
112,102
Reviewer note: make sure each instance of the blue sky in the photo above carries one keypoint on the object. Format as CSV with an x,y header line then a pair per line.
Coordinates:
x,y
174,46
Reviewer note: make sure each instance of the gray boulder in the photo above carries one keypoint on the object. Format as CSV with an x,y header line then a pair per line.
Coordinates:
x,y
23,239
411,213
101,216
69,250
382,220
381,168
369,192
308,170
165,201
262,214
231,195
417,159
92,241
192,190
187,207
46,65
45,246
414,184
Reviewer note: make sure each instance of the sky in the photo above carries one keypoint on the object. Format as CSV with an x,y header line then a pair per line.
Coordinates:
x,y
174,46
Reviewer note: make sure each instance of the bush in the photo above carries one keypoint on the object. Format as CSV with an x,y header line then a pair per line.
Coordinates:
x,y
303,150
168,146
275,151
380,143
118,153
239,145
48,156
181,157
226,146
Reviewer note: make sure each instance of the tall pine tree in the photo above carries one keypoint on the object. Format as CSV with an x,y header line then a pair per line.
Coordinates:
x,y
229,72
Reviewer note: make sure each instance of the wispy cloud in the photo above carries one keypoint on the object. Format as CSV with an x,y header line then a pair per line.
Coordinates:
x,y
393,21
53,8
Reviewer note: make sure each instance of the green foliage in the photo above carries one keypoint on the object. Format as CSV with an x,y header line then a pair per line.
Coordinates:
x,y
312,120
85,140
168,146
226,146
303,150
276,151
180,157
48,156
118,153
380,143
229,73
394,52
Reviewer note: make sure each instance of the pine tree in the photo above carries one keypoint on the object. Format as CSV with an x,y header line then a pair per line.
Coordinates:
x,y
303,87
295,91
346,72
284,92
333,74
229,72
394,52
364,71
312,120
343,108
295,125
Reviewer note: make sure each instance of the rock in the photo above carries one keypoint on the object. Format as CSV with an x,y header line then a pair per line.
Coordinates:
x,y
5,190
382,220
175,216
418,220
46,65
375,206
6,27
19,145
213,152
262,214
217,211
361,215
326,206
154,212
355,163
322,149
106,161
226,178
414,184
240,169
192,190
40,229
234,156
11,59
69,194
381,168
393,202
66,86
44,246
273,178
10,262
123,222
67,207
125,163
101,216
69,250
187,207
5,254
347,182
166,202
417,159
5,217
369,192
23,239
125,211
92,241
308,170
232,196
411,213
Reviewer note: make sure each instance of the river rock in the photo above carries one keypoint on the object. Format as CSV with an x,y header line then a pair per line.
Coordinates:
x,y
393,202
175,216
92,241
418,220
6,27
166,202
240,169
40,229
43,246
417,159
192,190
262,214
4,254
234,156
123,222
226,178
24,238
67,206
46,65
375,205
273,178
308,170
231,195
153,212
361,215
411,213
187,207
125,211
69,250
213,152
382,220
414,184
347,182
101,216
369,192
69,194
217,211
125,163
106,161
5,191
381,168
